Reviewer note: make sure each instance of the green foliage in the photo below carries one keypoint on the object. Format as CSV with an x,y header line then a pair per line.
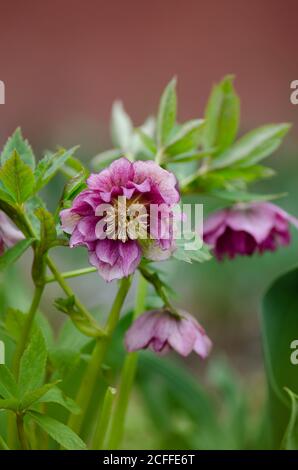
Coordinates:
x,y
58,431
16,143
33,363
222,116
50,164
253,146
17,178
279,329
166,116
206,159
12,254
187,138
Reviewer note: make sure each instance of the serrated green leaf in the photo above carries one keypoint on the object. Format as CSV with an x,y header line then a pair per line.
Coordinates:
x,y
121,126
17,177
50,164
33,363
11,255
166,117
55,395
14,323
35,396
222,115
186,139
17,143
58,431
8,385
253,147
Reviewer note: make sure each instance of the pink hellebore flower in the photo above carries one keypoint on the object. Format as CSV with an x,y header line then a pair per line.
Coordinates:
x,y
160,331
246,228
9,234
140,182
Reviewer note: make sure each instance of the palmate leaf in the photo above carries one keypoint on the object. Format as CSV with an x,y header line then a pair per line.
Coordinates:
x,y
17,178
58,431
21,145
13,254
279,330
166,117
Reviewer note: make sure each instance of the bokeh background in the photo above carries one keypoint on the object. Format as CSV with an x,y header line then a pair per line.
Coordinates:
x,y
64,63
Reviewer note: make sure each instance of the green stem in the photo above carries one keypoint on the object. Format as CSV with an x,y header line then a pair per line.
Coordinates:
x,y
71,274
127,376
104,420
21,432
20,348
25,332
88,382
153,279
69,292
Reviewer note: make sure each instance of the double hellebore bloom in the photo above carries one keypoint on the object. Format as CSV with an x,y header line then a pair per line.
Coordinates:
x,y
102,216
9,234
248,228
161,331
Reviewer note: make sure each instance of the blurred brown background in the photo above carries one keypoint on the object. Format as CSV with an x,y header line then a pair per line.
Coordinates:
x,y
64,62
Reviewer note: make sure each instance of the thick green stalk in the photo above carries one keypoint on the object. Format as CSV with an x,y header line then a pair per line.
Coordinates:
x,y
89,379
127,377
104,419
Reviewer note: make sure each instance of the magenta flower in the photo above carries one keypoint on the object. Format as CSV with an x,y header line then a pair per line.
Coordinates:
x,y
161,331
246,228
141,182
9,234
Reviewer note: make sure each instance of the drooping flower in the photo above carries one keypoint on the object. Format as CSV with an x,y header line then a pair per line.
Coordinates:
x,y
161,331
97,219
9,234
248,228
